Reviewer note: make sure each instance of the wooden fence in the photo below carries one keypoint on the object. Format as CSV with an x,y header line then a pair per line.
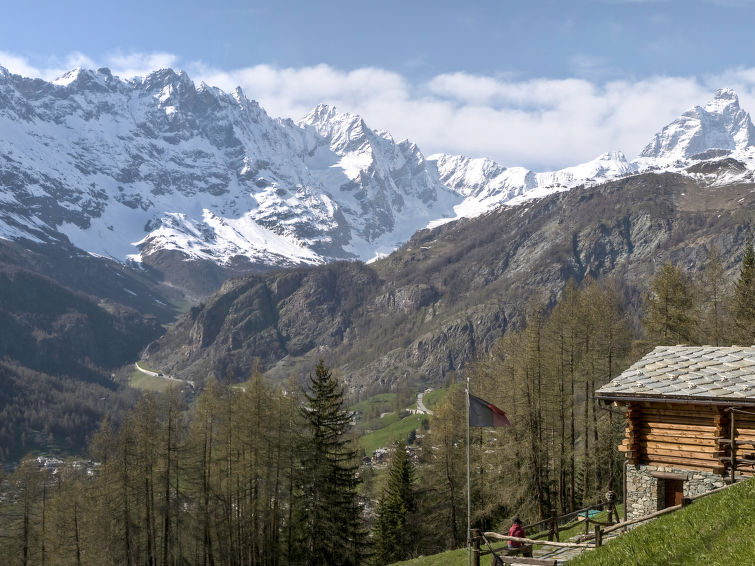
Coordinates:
x,y
596,536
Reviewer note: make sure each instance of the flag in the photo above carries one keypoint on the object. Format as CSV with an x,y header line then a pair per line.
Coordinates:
x,y
482,413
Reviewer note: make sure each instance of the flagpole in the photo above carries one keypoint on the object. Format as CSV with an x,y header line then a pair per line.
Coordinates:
x,y
469,497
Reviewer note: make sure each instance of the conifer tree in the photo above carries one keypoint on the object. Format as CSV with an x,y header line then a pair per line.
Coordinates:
x,y
332,529
744,300
713,300
444,473
395,533
669,317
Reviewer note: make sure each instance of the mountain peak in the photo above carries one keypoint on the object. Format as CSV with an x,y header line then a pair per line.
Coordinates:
x,y
325,116
721,124
161,78
728,94
69,77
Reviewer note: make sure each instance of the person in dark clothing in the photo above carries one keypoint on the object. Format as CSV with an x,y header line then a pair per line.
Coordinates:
x,y
516,530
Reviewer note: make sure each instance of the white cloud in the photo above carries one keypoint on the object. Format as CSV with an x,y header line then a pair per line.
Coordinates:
x,y
133,64
540,123
18,65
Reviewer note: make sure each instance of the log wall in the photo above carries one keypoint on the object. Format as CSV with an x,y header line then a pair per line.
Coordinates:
x,y
686,436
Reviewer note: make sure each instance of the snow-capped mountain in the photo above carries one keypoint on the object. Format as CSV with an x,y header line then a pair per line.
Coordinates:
x,y
486,184
390,192
131,169
721,129
721,124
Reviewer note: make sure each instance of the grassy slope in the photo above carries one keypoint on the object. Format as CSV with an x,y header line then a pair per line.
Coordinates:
x,y
448,558
139,380
384,431
432,399
718,530
397,430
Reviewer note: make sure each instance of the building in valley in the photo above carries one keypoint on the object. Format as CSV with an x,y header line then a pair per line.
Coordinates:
x,y
690,423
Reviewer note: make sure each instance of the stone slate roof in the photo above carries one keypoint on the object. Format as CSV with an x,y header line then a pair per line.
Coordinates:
x,y
688,373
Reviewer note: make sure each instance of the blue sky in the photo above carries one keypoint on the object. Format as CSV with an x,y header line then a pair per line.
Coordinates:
x,y
543,84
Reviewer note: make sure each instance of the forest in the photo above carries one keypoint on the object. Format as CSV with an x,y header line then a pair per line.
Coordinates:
x,y
263,473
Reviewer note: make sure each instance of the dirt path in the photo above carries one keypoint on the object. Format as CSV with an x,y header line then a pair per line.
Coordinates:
x,y
421,406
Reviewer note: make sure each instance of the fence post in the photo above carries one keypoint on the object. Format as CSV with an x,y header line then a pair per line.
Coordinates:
x,y
555,526
475,547
598,536
732,438
611,500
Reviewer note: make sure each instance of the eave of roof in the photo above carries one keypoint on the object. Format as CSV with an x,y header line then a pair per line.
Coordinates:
x,y
680,400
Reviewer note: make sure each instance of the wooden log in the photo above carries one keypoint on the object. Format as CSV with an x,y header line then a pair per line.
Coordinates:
x,y
684,426
662,426
526,560
679,412
498,536
733,446
676,436
678,451
679,448
684,462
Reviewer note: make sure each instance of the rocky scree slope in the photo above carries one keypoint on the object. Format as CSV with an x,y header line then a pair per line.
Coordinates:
x,y
429,308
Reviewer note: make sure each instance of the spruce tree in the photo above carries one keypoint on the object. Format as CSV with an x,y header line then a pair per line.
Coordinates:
x,y
331,519
744,300
395,534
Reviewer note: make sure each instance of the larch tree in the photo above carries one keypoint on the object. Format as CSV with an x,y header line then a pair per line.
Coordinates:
x,y
669,314
743,306
713,291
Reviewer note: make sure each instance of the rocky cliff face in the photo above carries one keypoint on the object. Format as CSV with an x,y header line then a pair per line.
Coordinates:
x,y
427,310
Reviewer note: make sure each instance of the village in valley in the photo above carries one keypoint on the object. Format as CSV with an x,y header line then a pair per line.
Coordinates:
x,y
377,284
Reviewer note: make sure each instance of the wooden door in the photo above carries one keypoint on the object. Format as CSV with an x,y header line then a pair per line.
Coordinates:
x,y
674,492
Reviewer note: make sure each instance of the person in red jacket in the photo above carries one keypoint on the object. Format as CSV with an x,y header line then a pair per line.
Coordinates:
x,y
516,530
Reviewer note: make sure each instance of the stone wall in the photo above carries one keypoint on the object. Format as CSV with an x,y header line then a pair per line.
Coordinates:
x,y
645,493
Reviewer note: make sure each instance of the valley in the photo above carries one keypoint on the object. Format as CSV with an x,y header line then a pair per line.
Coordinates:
x,y
246,323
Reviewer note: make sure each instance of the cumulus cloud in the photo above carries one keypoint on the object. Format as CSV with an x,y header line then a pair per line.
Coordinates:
x,y
18,65
540,123
130,65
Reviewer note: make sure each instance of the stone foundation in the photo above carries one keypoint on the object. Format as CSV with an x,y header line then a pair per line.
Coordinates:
x,y
645,493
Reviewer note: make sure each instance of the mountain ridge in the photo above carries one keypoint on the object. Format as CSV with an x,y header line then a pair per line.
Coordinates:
x,y
156,168
425,312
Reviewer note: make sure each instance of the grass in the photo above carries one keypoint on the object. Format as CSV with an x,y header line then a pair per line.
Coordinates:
x,y
380,400
448,558
139,380
716,531
433,398
579,529
397,429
